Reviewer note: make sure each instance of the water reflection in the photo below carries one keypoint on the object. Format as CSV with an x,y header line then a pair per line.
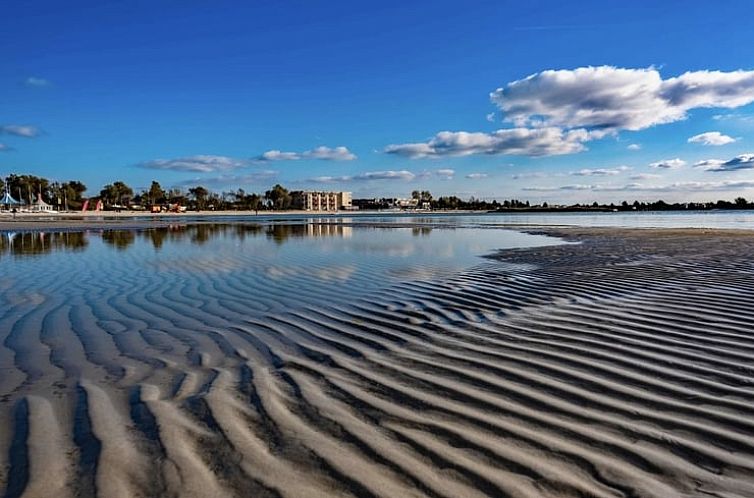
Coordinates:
x,y
41,242
325,260
38,243
281,233
120,239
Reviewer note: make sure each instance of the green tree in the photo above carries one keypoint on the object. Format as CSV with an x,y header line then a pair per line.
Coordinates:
x,y
278,197
156,194
199,194
116,193
253,201
176,196
27,187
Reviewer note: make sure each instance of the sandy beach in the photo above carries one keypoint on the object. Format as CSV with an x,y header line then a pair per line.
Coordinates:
x,y
619,366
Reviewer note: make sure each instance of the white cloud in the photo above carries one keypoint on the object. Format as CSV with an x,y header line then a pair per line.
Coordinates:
x,y
199,164
33,81
323,153
669,164
326,153
490,117
634,147
515,141
385,175
610,99
369,175
742,162
562,187
638,187
709,164
734,116
601,171
556,111
276,155
645,176
445,174
523,176
711,138
477,176
26,131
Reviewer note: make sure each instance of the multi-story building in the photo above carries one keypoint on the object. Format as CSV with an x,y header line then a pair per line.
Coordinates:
x,y
321,201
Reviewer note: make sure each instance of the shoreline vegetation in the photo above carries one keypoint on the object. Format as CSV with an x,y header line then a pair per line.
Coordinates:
x,y
119,199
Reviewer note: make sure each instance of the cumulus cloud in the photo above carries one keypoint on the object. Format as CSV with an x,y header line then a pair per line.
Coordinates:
x,y
514,141
26,131
557,111
490,117
711,138
35,82
197,164
669,164
601,171
276,155
611,99
326,153
709,164
634,147
323,153
476,176
742,162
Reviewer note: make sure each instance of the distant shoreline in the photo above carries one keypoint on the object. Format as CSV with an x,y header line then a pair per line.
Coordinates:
x,y
136,219
140,220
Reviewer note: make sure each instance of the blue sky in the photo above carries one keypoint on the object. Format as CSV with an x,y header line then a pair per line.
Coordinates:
x,y
337,95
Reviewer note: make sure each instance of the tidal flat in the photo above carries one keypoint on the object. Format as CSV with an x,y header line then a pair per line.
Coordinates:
x,y
417,357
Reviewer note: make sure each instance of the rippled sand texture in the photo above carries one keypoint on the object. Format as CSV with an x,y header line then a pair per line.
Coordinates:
x,y
623,366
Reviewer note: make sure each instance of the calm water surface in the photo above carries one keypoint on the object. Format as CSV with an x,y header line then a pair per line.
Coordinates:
x,y
737,219
333,260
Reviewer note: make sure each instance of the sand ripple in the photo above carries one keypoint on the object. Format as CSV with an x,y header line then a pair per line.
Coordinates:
x,y
622,366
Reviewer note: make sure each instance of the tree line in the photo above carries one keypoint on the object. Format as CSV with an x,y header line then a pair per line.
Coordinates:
x,y
70,195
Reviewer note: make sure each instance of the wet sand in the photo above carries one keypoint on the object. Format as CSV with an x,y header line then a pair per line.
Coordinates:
x,y
619,366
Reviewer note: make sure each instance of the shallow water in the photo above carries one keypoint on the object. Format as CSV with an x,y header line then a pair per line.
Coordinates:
x,y
92,322
729,219
373,357
337,259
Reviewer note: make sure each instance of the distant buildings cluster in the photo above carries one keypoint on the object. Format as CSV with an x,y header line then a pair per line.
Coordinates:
x,y
306,200
391,203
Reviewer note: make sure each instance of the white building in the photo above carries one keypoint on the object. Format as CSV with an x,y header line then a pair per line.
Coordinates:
x,y
321,201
